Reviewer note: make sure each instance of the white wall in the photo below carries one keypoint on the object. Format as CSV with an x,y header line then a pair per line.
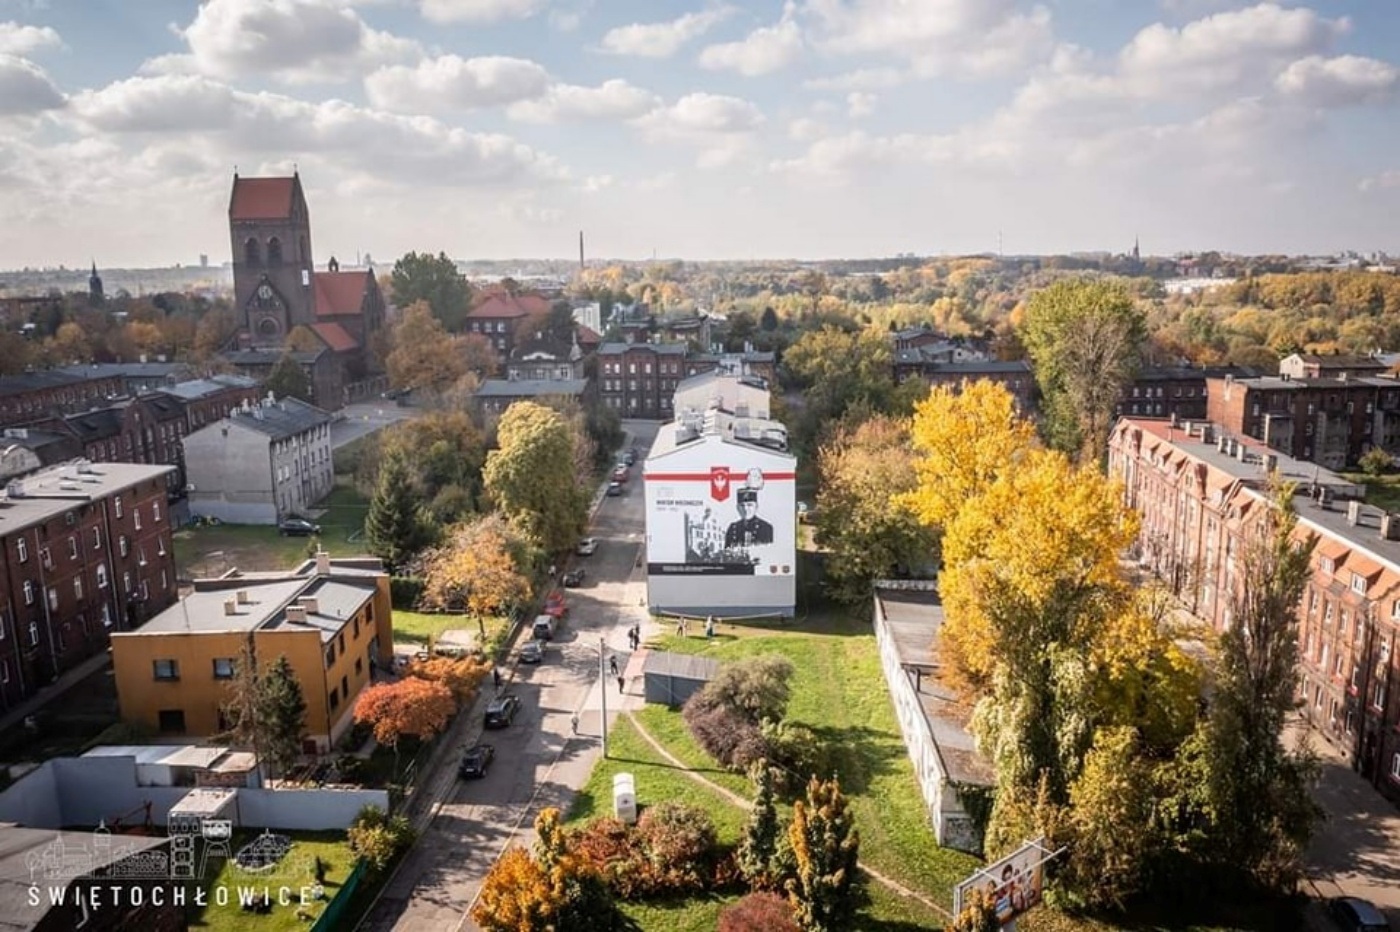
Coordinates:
x,y
306,810
228,465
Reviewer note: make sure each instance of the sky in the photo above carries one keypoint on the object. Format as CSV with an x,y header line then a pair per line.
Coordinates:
x,y
701,129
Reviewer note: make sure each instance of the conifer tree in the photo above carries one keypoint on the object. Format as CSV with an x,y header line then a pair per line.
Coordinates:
x,y
281,713
759,844
394,527
825,845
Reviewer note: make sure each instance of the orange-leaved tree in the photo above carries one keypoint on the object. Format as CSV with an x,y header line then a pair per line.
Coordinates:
x,y
411,706
462,676
476,568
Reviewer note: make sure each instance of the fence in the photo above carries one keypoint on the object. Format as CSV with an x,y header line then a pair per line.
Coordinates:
x,y
335,909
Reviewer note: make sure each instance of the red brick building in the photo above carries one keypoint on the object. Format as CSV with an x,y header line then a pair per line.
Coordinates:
x,y
498,316
1179,391
1197,491
34,395
638,379
87,551
1015,375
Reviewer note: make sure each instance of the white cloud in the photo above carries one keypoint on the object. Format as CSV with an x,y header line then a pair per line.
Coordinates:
x,y
169,103
453,83
25,88
595,183
806,129
1385,181
862,79
962,38
16,39
763,51
292,40
718,127
611,100
479,11
662,40
860,104
1346,80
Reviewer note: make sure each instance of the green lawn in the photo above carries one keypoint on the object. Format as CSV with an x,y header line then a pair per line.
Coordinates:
x,y
1381,491
420,627
839,692
209,551
295,872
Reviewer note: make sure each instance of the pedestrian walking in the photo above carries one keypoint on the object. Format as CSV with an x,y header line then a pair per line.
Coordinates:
x,y
710,627
573,722
620,683
680,627
496,676
612,664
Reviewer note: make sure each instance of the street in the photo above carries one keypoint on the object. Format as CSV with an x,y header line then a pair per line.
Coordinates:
x,y
366,418
538,762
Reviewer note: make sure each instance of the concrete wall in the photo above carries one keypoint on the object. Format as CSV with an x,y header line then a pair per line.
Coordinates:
x,y
670,690
83,791
952,825
229,467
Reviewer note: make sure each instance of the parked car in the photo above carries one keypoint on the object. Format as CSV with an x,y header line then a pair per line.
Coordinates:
x,y
543,628
500,712
475,761
532,652
620,473
555,606
574,578
614,489
297,527
1354,914
587,547
629,457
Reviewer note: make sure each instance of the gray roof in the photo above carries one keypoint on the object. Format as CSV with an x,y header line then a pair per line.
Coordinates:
x,y
199,388
675,435
679,666
202,611
270,357
33,381
530,388
666,349
913,614
91,854
287,417
1182,373
58,489
985,367
127,370
1281,383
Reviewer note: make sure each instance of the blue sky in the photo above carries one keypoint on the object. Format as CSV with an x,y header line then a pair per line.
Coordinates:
x,y
701,129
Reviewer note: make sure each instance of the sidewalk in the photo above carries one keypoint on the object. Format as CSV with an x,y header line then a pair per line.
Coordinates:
x,y
47,694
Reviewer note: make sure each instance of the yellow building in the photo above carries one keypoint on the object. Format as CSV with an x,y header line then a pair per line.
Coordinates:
x,y
331,618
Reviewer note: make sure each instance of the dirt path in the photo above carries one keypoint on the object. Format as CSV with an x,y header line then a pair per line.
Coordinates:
x,y
745,804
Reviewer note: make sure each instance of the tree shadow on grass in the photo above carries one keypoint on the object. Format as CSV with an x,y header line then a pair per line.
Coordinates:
x,y
856,754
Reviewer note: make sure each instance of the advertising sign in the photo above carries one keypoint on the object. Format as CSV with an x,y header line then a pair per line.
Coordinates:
x,y
725,521
1013,884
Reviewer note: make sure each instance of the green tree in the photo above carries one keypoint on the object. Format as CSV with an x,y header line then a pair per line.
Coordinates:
x,y
421,277
394,527
864,520
1375,462
1111,821
826,845
768,320
281,714
531,476
759,845
1086,339
287,379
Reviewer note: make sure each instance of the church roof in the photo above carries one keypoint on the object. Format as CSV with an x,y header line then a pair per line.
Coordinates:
x,y
339,294
499,304
587,335
336,337
261,198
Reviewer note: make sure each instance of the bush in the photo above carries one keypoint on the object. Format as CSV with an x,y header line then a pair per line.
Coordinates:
x,y
1376,462
724,734
756,689
405,591
758,912
796,752
379,838
673,851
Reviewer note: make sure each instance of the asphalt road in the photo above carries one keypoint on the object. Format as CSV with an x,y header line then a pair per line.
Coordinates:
x,y
362,419
538,762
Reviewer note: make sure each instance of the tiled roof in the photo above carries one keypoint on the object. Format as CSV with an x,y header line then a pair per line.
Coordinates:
x,y
498,305
163,405
261,198
285,418
33,381
96,425
127,370
587,334
339,294
336,337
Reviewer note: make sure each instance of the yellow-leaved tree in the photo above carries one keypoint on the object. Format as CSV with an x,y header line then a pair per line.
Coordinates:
x,y
478,568
965,438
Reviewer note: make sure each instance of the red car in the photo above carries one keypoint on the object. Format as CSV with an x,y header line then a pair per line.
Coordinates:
x,y
620,473
554,605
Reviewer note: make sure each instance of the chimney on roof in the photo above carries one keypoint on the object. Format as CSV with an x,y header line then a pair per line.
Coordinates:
x,y
230,606
323,563
296,613
1353,513
243,597
311,604
1390,526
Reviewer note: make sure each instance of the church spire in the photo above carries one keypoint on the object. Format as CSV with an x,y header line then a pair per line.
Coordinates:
x,y
94,285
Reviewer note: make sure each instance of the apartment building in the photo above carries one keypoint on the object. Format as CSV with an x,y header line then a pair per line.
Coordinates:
x,y
87,553
329,618
1015,375
263,462
1196,487
1175,391
24,398
638,379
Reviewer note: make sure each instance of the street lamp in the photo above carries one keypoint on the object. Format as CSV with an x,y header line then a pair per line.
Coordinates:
x,y
603,689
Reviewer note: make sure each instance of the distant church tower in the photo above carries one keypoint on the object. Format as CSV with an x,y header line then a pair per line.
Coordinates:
x,y
95,295
270,227
1137,254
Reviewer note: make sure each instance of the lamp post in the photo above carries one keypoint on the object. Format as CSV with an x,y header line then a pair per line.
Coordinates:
x,y
603,689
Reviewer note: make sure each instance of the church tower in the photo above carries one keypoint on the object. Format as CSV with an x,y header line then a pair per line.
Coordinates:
x,y
95,295
270,228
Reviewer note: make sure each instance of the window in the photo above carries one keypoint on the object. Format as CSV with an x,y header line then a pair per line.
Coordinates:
x,y
126,583
342,642
97,538
141,556
4,671
172,721
136,518
101,576
155,512
73,550
117,504
46,558
355,633
78,589
33,634
223,668
1378,694
1395,767
1358,583
106,615
359,665
1340,663
22,549
123,546
29,592
334,699
160,546
330,656
165,669
345,686
1327,565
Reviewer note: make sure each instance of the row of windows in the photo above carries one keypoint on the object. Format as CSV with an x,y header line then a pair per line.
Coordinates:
x,y
253,253
1190,392
664,368
39,402
484,326
647,385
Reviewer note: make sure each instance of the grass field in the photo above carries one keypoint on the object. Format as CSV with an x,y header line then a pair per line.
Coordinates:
x,y
421,627
295,871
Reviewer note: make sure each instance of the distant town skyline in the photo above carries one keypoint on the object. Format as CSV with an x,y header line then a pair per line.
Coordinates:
x,y
704,129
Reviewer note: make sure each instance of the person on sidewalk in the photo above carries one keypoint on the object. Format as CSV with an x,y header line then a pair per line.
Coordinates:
x,y
620,684
612,664
496,676
573,722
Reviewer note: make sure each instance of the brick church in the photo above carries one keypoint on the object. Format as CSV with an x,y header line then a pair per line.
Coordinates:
x,y
277,290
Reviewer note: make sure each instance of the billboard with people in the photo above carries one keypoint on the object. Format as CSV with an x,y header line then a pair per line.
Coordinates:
x,y
719,509
1012,885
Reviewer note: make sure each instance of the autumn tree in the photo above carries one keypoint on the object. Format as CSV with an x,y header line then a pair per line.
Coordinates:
x,y
531,476
395,527
425,357
478,567
516,896
1112,828
379,838
462,676
837,369
758,912
864,518
213,332
825,844
1086,339
1254,803
15,353
435,281
979,914
965,439
444,452
412,706
303,340
287,379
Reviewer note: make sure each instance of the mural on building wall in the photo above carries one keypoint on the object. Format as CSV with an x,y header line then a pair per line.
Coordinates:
x,y
727,521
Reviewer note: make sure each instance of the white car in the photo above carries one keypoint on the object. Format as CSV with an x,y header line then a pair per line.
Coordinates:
x,y
586,547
